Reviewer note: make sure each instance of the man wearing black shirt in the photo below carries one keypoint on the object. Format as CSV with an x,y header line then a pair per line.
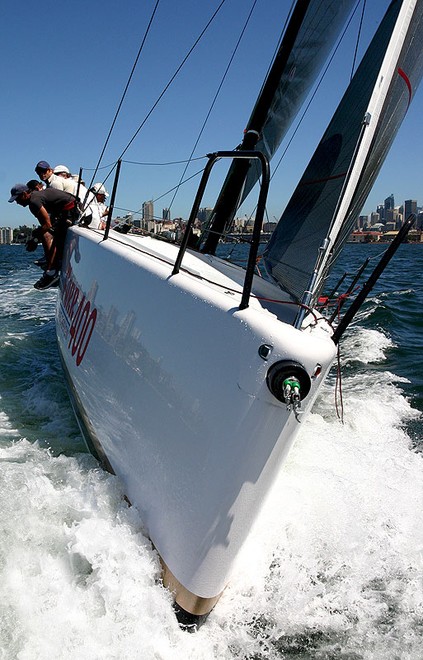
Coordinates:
x,y
54,210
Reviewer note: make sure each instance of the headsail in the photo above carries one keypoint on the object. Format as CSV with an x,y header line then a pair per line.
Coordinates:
x,y
307,41
339,177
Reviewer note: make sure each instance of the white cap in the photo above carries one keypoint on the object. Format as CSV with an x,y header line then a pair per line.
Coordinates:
x,y
61,168
98,188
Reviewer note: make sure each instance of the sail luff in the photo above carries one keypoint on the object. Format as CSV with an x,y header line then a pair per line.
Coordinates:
x,y
308,38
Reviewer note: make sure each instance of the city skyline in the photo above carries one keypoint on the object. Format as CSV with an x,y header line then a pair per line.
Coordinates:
x,y
147,215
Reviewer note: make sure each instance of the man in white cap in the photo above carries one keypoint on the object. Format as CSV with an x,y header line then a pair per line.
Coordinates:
x,y
98,206
77,188
63,172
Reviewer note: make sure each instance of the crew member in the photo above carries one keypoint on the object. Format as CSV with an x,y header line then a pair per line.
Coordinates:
x,y
98,206
52,180
75,186
55,210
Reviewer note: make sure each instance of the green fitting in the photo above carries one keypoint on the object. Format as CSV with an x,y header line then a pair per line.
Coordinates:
x,y
292,382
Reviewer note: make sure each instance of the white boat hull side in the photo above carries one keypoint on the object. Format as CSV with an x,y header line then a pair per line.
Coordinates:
x,y
169,381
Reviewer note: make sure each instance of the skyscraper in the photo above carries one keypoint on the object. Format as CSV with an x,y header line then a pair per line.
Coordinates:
x,y
410,206
389,205
381,210
147,213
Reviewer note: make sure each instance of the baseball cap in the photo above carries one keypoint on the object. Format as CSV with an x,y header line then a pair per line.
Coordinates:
x,y
42,165
17,189
61,168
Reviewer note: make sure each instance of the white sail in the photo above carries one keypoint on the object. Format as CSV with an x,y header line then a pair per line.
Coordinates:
x,y
335,185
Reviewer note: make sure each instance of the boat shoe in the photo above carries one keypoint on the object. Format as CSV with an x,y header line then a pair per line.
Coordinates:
x,y
47,281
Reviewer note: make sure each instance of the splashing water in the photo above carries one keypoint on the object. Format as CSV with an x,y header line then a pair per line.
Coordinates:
x,y
332,568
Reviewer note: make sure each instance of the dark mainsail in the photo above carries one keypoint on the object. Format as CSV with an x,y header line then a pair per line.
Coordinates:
x,y
338,179
307,41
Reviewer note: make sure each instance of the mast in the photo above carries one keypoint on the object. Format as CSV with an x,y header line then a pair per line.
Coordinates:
x,y
311,31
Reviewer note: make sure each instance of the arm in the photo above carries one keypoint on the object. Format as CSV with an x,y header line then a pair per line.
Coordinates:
x,y
46,238
43,218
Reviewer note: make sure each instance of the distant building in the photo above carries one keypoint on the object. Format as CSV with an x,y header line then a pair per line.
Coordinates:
x,y
390,226
415,236
362,222
269,227
204,214
386,221
364,237
166,214
410,206
389,205
6,235
239,224
147,213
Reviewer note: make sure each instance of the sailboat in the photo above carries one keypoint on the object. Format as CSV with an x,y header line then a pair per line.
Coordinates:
x,y
198,428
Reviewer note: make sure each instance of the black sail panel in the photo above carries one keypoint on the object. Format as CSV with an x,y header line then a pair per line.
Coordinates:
x,y
321,26
307,41
292,252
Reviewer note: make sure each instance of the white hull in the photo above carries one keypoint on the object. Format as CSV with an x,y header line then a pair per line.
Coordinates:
x,y
167,380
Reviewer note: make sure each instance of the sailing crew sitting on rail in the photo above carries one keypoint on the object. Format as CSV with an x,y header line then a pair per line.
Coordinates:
x,y
51,180
55,210
98,206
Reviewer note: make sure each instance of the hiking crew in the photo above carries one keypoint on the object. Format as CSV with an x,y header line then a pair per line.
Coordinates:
x,y
55,210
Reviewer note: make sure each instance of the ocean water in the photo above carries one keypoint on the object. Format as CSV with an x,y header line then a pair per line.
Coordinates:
x,y
334,565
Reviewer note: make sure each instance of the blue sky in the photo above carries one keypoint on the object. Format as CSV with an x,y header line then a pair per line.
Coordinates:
x,y
65,66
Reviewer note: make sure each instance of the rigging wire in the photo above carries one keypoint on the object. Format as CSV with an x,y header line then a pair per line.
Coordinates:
x,y
125,90
163,92
156,199
215,98
288,18
170,162
160,95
